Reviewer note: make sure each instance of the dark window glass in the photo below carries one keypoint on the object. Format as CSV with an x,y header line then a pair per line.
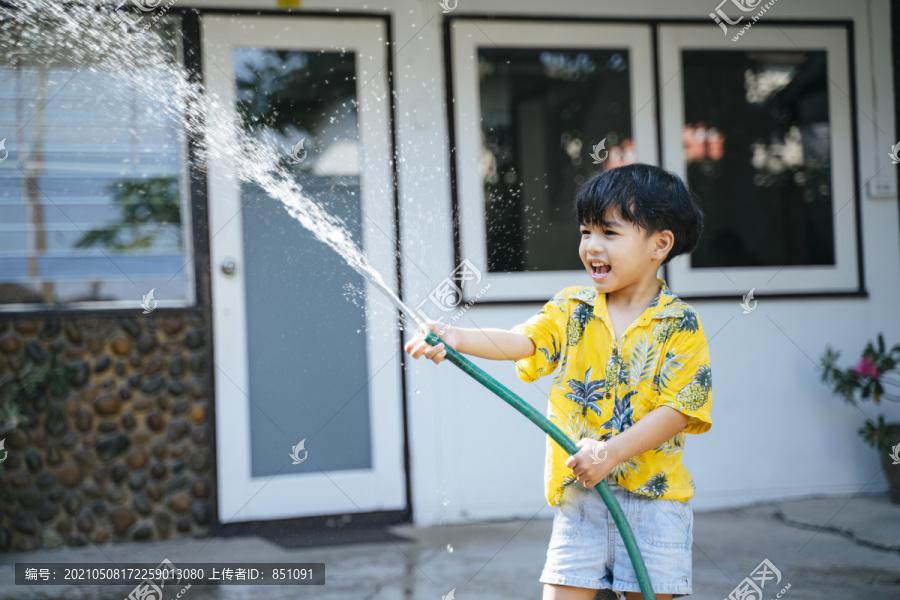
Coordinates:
x,y
757,143
543,112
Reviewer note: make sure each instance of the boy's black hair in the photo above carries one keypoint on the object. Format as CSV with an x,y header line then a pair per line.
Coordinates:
x,y
650,197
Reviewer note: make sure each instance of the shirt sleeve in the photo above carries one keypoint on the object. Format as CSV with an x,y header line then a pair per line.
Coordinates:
x,y
685,379
547,330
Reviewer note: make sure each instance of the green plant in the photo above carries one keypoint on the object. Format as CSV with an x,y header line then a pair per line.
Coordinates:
x,y
869,379
28,384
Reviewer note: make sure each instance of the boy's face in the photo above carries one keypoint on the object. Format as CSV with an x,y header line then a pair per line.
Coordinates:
x,y
617,253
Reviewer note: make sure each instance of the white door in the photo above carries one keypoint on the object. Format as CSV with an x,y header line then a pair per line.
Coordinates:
x,y
300,355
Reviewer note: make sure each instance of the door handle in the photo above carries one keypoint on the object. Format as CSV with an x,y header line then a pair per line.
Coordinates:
x,y
229,266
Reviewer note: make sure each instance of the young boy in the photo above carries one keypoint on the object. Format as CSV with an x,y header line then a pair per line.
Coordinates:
x,y
633,376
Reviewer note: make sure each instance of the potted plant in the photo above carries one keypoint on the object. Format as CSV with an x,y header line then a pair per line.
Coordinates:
x,y
875,371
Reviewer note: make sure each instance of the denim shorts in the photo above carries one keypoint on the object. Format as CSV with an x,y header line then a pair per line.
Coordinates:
x,y
587,551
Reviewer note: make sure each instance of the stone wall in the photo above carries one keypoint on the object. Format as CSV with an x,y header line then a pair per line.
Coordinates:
x,y
125,451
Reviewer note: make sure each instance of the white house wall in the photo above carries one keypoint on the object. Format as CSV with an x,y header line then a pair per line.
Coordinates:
x,y
777,431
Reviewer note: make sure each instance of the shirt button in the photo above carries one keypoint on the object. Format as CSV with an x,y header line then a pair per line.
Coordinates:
x,y
608,395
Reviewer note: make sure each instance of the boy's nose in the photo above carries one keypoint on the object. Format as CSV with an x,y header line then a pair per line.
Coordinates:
x,y
594,246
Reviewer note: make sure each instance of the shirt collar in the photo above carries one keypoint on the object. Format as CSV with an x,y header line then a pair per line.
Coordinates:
x,y
656,309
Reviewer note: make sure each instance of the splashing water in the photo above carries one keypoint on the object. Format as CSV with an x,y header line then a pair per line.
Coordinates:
x,y
82,38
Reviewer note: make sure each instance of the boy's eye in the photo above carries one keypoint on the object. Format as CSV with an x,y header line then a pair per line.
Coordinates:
x,y
585,231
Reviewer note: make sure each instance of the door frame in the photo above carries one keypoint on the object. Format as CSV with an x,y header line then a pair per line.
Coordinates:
x,y
191,23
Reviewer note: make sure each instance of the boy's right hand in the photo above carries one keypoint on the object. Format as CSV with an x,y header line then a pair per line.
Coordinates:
x,y
417,346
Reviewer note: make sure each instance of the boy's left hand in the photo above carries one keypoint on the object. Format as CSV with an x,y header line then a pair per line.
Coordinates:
x,y
592,463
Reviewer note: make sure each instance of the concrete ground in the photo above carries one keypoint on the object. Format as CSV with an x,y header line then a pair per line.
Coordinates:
x,y
844,547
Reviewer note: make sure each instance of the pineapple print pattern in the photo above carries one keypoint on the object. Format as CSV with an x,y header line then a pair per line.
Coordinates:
x,y
602,386
664,329
695,394
655,487
581,316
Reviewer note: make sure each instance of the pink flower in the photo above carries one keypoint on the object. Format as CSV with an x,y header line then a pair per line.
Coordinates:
x,y
866,367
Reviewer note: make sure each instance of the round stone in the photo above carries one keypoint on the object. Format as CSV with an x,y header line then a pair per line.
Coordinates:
x,y
72,503
137,458
200,435
46,511
118,474
69,474
153,385
194,338
137,480
198,413
121,346
146,343
50,539
200,511
102,363
177,429
107,426
183,524
33,460
107,404
154,365
163,523
142,504
142,533
128,420
72,332
56,421
155,421
111,447
84,419
197,363
179,504
121,518
200,488
172,325
158,470
80,373
176,366
85,522
130,326
92,490
45,480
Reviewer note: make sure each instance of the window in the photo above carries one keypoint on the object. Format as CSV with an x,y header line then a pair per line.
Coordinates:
x,y
538,110
762,132
93,192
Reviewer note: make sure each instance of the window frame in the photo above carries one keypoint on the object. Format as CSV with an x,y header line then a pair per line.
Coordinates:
x,y
189,222
846,276
463,36
527,281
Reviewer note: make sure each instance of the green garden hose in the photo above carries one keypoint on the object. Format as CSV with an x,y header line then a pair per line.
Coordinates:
x,y
568,445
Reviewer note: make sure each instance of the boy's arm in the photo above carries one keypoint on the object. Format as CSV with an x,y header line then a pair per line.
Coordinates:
x,y
495,344
658,426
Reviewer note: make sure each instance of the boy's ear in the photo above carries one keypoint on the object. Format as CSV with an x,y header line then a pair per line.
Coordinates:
x,y
662,244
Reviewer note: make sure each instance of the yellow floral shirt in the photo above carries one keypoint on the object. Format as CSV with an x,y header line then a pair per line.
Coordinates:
x,y
603,386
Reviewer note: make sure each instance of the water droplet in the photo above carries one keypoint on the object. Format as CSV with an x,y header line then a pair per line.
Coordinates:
x,y
449,548
446,502
417,391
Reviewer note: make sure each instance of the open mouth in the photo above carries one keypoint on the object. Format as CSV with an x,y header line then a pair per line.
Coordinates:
x,y
599,270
